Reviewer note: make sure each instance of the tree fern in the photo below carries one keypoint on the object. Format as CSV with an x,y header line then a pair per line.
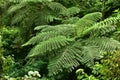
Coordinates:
x,y
66,52
47,7
30,13
73,56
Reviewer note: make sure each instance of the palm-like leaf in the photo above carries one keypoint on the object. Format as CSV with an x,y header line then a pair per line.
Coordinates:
x,y
41,37
72,57
104,43
64,29
71,11
67,59
49,45
86,22
102,27
72,51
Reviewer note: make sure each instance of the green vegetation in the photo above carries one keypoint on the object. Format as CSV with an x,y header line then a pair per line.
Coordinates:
x,y
59,39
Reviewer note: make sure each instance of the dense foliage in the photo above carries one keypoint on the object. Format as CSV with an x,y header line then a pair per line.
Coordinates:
x,y
59,39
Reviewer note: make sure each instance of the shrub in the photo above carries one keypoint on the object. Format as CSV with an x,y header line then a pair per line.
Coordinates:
x,y
11,41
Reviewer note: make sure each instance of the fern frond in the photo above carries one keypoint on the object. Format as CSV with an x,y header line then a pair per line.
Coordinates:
x,y
90,53
66,60
93,17
49,45
18,18
57,7
116,35
103,30
47,16
72,57
64,29
70,11
41,27
71,20
15,8
102,26
41,37
104,43
87,21
96,16
30,12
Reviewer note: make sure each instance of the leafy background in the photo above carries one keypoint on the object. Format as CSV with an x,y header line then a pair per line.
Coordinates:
x,y
59,39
